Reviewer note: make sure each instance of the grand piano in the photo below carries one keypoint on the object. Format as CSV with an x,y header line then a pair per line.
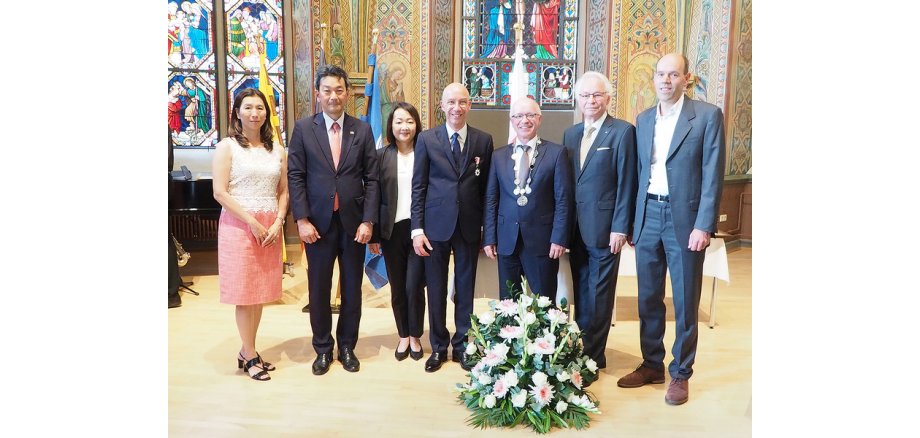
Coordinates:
x,y
193,212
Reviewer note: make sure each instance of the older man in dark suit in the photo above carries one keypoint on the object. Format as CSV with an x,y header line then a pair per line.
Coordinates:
x,y
681,152
528,206
603,151
448,187
332,174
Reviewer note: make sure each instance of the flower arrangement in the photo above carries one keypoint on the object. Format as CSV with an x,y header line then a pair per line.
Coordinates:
x,y
529,367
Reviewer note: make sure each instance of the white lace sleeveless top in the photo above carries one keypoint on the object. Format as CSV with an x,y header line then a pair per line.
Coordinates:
x,y
254,175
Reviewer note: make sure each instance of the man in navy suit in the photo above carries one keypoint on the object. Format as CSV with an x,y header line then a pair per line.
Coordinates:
x,y
332,176
528,206
448,187
681,152
603,151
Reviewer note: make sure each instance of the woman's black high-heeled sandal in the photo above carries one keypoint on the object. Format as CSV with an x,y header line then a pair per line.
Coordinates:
x,y
240,359
256,362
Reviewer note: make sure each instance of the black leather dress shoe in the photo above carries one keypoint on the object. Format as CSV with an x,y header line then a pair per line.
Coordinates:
x,y
321,364
416,355
349,361
434,362
459,356
306,309
175,301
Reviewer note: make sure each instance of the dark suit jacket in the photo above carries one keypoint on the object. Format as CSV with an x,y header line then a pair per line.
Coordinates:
x,y
313,181
605,189
695,167
389,186
547,216
441,194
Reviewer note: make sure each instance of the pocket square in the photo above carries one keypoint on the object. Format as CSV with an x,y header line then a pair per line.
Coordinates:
x,y
604,149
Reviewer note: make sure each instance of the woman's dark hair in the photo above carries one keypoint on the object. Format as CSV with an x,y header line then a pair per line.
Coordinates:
x,y
236,126
391,138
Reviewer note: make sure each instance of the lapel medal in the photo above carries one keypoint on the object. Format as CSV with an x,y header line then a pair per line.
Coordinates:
x,y
477,165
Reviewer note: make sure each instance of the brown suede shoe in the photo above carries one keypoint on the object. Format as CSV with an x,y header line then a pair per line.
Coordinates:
x,y
641,376
678,392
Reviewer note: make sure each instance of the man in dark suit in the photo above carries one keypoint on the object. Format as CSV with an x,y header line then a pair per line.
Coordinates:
x,y
681,152
332,175
448,187
603,151
528,206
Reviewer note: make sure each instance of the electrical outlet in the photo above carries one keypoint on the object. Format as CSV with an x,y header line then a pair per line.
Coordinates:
x,y
723,217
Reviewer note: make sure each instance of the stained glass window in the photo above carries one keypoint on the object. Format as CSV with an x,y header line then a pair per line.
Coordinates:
x,y
254,30
191,80
548,45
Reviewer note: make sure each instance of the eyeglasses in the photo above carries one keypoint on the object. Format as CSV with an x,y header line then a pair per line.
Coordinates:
x,y
587,96
530,116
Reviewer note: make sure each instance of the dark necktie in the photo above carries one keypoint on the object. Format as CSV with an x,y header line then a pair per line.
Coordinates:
x,y
455,148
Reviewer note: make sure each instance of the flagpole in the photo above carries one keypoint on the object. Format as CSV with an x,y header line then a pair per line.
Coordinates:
x,y
371,68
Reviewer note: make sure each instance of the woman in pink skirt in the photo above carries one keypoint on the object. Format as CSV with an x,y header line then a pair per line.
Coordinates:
x,y
250,183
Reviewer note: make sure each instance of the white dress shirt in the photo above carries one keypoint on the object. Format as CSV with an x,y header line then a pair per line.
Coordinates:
x,y
665,123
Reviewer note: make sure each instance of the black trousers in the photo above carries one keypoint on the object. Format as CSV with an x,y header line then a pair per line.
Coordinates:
x,y
321,256
540,270
594,277
466,257
406,274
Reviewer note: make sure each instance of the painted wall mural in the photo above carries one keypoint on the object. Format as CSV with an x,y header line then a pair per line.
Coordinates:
x,y
739,114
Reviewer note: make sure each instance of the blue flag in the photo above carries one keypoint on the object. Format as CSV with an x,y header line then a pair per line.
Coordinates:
x,y
374,266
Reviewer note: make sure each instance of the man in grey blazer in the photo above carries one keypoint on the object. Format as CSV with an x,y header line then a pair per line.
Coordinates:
x,y
681,152
603,151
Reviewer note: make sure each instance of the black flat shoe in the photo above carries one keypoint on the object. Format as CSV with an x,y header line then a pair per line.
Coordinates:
x,y
434,362
400,356
349,360
321,364
416,355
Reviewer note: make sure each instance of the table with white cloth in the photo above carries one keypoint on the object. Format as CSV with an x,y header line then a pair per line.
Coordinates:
x,y
715,265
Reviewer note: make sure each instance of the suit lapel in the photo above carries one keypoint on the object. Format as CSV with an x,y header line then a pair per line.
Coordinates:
x,y
683,126
576,152
389,174
348,135
322,138
539,159
605,130
466,153
444,144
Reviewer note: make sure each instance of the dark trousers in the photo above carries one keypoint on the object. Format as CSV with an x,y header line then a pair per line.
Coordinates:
x,y
540,270
594,278
658,251
321,256
406,274
174,279
466,256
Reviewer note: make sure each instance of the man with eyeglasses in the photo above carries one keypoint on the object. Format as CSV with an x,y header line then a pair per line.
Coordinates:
x,y
332,179
448,187
681,154
603,151
528,207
